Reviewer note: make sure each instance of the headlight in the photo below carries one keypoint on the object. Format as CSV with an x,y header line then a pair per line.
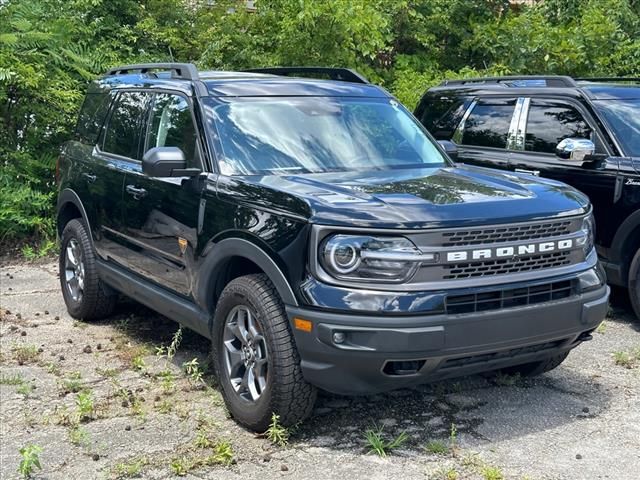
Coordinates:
x,y
589,229
373,259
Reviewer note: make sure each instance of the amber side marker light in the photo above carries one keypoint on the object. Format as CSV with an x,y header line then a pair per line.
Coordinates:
x,y
301,324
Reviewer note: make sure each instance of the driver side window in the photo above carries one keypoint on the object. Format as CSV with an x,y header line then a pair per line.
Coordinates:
x,y
549,122
171,125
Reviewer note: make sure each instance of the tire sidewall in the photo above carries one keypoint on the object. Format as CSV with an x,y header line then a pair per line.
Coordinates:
x,y
73,230
634,283
256,415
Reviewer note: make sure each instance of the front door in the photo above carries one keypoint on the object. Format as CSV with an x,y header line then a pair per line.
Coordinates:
x,y
161,214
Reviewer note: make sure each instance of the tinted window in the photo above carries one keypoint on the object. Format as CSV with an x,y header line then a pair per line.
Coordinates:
x,y
549,122
488,124
172,126
122,136
441,114
297,135
92,114
624,118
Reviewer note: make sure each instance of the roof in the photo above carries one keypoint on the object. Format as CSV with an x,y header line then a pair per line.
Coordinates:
x,y
552,85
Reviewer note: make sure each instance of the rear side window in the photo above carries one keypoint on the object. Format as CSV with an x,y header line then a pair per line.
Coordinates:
x,y
92,115
172,126
549,123
488,124
441,114
122,135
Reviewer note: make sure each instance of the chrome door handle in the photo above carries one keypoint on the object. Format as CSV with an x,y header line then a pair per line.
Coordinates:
x,y
530,172
136,192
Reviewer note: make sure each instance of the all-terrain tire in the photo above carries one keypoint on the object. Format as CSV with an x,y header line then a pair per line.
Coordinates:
x,y
286,394
536,368
634,283
97,299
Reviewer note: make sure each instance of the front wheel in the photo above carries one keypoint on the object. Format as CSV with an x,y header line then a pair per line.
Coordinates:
x,y
255,356
634,283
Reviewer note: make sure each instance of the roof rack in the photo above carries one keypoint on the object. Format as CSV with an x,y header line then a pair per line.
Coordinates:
x,y
609,79
517,81
340,74
187,71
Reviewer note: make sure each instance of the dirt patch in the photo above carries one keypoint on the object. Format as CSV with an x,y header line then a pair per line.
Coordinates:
x,y
108,400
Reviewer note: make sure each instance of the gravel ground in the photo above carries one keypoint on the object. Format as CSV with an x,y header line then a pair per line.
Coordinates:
x,y
102,403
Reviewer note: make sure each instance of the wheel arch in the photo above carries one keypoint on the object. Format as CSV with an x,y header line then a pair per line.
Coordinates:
x,y
625,243
246,257
70,207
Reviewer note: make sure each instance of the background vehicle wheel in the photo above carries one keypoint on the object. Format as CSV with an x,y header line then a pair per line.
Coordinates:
x,y
634,283
85,295
536,368
255,356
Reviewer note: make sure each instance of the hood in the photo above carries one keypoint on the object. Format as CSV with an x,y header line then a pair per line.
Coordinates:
x,y
413,198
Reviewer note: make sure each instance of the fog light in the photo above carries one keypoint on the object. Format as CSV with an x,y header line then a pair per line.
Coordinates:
x,y
339,337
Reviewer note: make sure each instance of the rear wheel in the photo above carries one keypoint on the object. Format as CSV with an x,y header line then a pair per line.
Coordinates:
x,y
85,295
634,283
536,368
255,356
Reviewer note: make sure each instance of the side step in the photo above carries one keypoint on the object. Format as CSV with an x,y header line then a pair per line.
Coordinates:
x,y
168,304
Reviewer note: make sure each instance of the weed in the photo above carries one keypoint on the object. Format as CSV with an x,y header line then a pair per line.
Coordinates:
x,y
107,372
73,384
172,348
25,353
25,389
202,440
80,325
222,453
602,328
506,380
79,436
138,363
277,433
453,436
165,406
168,382
15,379
53,369
492,473
437,447
84,402
130,469
627,359
181,466
30,460
193,371
378,445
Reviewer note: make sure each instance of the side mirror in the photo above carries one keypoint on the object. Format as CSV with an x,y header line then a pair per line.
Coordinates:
x,y
575,149
166,162
450,148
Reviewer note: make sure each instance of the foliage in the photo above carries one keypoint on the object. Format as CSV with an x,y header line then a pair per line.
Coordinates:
x,y
30,460
49,49
377,444
277,433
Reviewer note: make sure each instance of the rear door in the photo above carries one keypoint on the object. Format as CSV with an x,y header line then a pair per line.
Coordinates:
x,y
117,151
161,214
486,132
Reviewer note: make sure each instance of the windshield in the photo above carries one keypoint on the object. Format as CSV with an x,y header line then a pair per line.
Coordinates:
x,y
297,135
624,118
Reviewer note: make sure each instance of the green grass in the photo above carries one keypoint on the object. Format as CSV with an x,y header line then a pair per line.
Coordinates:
x,y
78,436
24,354
25,389
627,359
492,473
376,443
437,447
15,379
130,469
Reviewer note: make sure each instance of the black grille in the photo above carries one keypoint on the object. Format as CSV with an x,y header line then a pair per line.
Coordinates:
x,y
503,355
515,297
506,234
487,268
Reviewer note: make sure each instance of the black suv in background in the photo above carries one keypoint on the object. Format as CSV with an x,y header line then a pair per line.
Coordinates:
x,y
317,235
582,132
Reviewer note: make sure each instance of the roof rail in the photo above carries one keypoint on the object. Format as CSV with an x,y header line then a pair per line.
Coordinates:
x,y
510,81
187,71
609,79
340,74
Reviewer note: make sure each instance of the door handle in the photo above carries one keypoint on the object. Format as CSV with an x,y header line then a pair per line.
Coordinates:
x,y
530,172
89,177
136,192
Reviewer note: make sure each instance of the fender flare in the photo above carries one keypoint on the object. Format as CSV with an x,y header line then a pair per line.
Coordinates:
x,y
69,196
237,247
620,238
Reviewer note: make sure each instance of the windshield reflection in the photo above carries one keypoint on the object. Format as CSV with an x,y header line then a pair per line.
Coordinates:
x,y
624,118
298,135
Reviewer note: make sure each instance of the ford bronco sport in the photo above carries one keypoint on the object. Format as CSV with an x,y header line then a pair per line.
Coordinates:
x,y
317,235
582,132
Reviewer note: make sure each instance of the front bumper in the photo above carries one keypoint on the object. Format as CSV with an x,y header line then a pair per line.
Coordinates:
x,y
381,352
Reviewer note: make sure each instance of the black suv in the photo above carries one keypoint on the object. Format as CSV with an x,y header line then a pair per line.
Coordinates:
x,y
582,132
317,234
